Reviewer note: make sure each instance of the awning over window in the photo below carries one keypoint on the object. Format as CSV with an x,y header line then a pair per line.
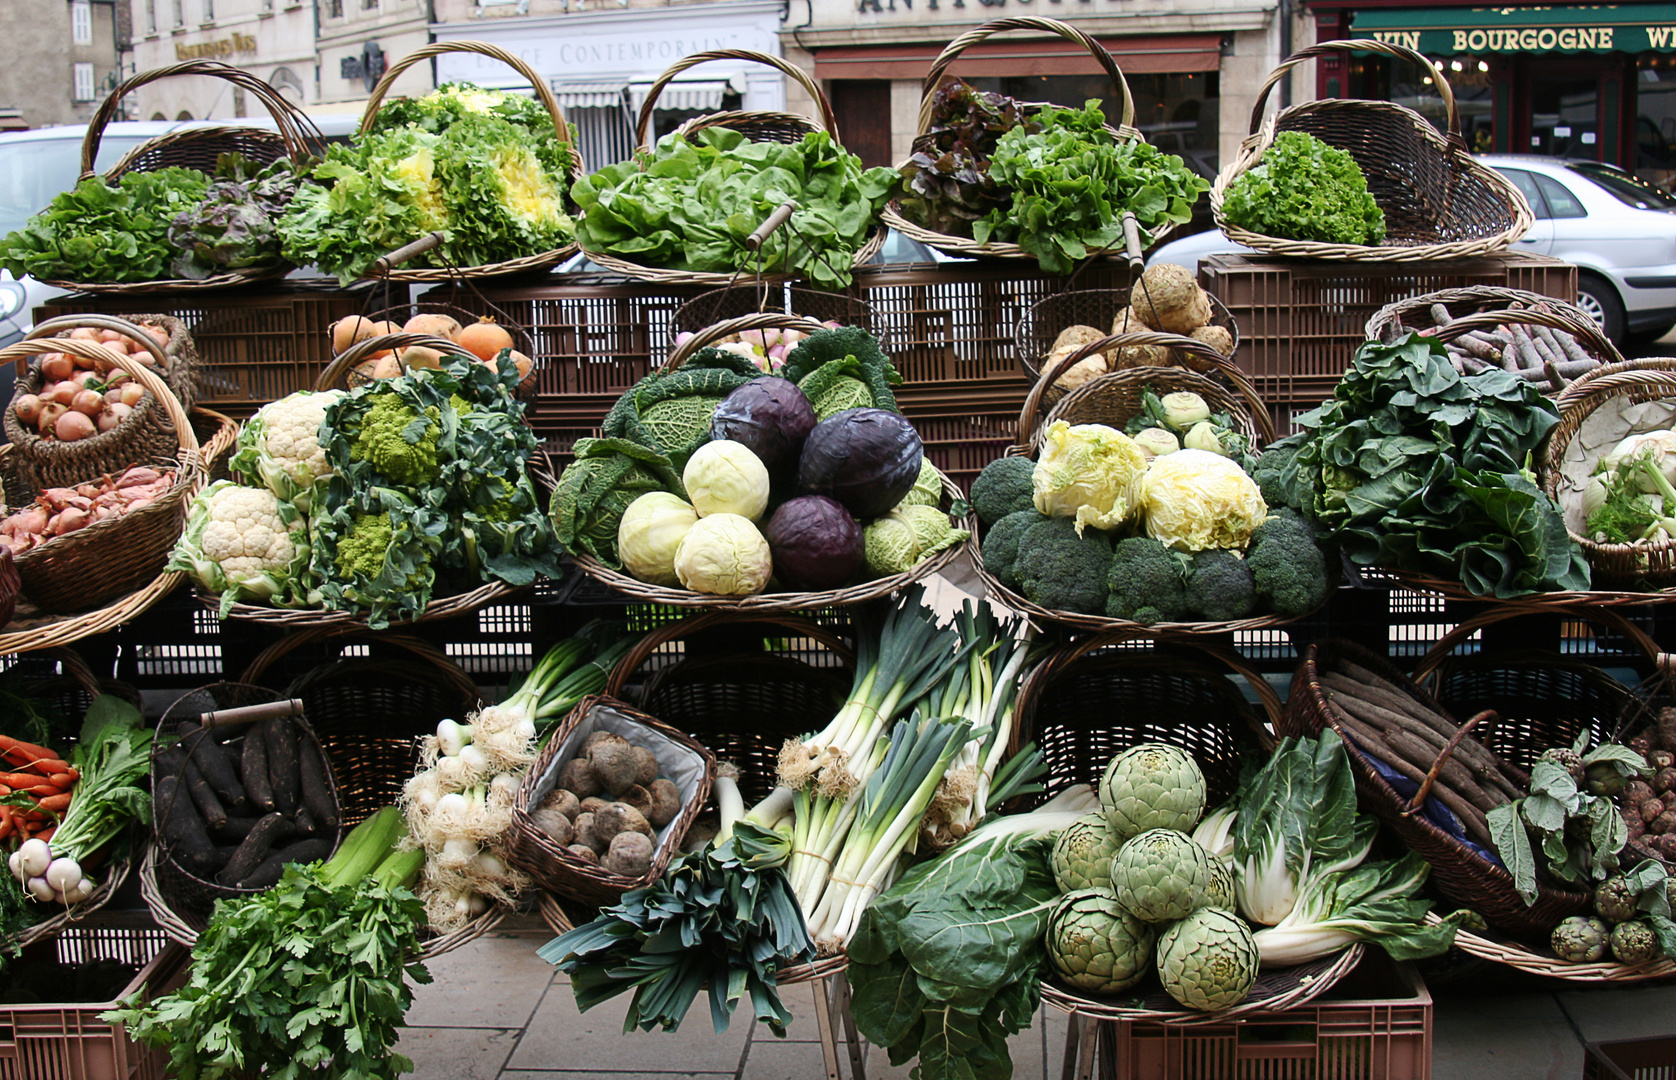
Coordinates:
x,y
589,95
704,95
1153,54
1630,28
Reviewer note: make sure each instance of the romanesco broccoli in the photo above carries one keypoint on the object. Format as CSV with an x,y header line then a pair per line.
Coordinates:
x,y
362,549
398,441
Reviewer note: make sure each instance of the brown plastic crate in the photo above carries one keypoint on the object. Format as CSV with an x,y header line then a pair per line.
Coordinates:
x,y
69,1041
955,322
559,421
1374,1025
964,428
1300,317
1290,396
1631,1059
254,345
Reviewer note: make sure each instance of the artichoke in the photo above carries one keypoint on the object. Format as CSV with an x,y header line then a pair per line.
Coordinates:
x,y
1220,893
1615,900
1082,855
1152,786
1162,875
1208,960
1569,760
1094,945
1580,939
1634,942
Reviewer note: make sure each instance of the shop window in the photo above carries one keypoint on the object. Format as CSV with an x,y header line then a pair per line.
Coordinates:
x,y
665,121
1655,119
1469,77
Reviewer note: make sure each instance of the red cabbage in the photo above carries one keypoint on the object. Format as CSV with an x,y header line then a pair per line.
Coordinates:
x,y
867,459
815,543
771,416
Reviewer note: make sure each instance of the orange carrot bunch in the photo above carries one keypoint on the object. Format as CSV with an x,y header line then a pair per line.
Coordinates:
x,y
45,779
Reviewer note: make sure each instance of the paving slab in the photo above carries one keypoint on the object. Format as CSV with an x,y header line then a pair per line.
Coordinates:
x,y
1516,1035
563,1074
772,1060
494,982
443,1053
561,1037
1629,1012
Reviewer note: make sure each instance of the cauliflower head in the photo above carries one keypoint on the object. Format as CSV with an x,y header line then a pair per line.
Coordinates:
x,y
1194,500
279,448
237,543
1089,472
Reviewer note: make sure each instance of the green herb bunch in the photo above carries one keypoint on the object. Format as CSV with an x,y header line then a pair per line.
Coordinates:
x,y
1303,189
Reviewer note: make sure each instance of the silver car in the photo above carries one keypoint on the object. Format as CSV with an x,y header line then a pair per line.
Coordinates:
x,y
1620,232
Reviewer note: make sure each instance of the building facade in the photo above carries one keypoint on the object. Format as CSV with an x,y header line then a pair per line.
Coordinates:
x,y
1595,82
358,40
271,39
63,57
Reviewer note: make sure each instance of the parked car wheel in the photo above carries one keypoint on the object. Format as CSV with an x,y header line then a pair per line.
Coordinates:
x,y
1600,300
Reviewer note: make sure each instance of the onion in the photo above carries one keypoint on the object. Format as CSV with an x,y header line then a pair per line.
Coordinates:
x,y
112,335
157,334
82,379
112,414
50,412
28,408
132,392
84,333
56,366
88,402
61,393
73,426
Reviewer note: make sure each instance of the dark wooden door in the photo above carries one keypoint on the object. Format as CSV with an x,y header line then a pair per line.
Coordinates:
x,y
862,107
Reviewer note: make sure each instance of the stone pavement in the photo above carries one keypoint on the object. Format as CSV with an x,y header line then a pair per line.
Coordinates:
x,y
498,1012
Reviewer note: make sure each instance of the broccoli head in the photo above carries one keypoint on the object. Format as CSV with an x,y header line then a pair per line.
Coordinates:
x,y
1289,570
1275,476
1219,586
1001,543
1145,582
1004,487
1059,570
399,441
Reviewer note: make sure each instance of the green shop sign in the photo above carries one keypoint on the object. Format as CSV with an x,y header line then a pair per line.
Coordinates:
x,y
1630,28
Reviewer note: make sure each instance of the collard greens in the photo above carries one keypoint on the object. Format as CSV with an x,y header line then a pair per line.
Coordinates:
x,y
1417,467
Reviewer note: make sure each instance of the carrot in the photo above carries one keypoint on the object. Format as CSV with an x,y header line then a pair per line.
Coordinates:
x,y
42,791
22,781
65,778
55,804
21,752
4,790
6,823
46,833
49,766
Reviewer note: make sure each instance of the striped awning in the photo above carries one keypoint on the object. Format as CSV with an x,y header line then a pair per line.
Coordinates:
x,y
589,95
703,95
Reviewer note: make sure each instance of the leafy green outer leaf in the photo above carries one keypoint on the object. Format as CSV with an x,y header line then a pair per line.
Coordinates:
x,y
1626,760
596,488
1507,832
1666,931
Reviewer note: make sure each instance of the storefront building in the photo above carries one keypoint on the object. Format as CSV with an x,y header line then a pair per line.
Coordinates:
x,y
1193,67
1593,82
272,39
601,63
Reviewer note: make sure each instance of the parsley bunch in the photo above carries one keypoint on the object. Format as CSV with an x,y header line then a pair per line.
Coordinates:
x,y
306,981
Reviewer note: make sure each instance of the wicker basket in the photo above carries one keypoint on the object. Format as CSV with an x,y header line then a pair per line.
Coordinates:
x,y
199,148
1648,567
758,126
555,869
108,558
1439,202
1102,694
1050,316
775,601
181,901
369,712
521,341
1457,873
964,246
391,266
147,436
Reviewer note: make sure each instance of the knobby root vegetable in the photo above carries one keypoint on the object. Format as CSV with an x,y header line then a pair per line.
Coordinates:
x,y
630,855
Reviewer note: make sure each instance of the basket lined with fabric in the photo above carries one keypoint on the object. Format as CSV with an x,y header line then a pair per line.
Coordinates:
x,y
147,436
103,560
549,864
755,125
294,137
178,897
1113,400
1645,566
768,601
924,140
391,266
1439,202
1458,873
1042,323
370,698
1103,693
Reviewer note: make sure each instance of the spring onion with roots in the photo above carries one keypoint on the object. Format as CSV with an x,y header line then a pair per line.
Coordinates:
x,y
458,805
111,759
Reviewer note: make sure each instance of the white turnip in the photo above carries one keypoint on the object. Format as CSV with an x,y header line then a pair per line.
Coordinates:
x,y
37,856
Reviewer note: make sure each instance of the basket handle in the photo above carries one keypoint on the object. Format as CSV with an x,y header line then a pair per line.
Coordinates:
x,y
643,123
287,118
20,352
953,49
102,322
631,661
423,650
385,263
1429,664
761,320
1213,362
345,361
543,92
1360,45
251,714
75,668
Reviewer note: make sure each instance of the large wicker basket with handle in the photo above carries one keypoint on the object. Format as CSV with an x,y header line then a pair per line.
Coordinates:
x,y
295,137
1438,201
392,266
756,125
964,246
